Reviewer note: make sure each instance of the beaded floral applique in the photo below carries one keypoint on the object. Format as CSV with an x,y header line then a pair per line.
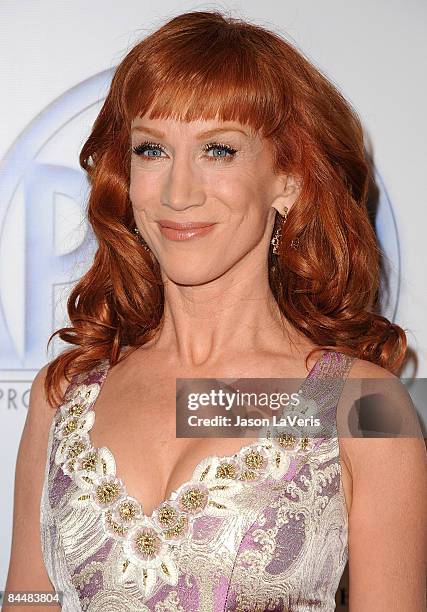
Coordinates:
x,y
147,541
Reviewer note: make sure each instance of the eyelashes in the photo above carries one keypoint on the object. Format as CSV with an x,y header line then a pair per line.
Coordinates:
x,y
154,147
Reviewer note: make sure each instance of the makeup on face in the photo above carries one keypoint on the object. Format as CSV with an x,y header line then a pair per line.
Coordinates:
x,y
184,231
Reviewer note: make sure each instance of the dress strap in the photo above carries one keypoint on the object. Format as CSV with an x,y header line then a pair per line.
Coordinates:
x,y
321,390
97,374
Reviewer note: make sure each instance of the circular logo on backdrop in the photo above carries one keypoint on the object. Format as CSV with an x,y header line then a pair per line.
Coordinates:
x,y
46,243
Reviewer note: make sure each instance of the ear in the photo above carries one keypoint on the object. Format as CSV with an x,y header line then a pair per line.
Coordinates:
x,y
291,187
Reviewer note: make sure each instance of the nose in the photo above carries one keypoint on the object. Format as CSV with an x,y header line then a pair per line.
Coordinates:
x,y
183,186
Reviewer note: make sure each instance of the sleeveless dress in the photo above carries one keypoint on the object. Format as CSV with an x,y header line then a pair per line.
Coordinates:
x,y
263,529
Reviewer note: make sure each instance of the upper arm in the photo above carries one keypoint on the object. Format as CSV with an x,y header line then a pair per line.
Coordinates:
x,y
387,519
27,570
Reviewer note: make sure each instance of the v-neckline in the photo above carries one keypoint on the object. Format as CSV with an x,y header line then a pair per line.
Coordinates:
x,y
172,495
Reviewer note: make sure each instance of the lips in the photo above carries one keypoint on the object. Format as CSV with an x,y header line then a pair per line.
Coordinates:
x,y
183,226
184,231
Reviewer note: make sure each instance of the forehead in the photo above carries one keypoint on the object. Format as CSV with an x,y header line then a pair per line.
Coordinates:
x,y
199,128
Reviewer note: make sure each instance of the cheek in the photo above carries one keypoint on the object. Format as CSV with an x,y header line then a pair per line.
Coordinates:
x,y
141,191
246,198
238,194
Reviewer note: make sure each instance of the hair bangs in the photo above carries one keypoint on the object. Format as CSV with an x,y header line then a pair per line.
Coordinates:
x,y
225,82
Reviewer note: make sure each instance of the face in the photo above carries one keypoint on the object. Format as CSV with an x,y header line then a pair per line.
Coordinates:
x,y
211,173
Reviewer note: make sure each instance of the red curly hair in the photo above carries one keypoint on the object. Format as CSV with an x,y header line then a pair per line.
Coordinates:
x,y
204,65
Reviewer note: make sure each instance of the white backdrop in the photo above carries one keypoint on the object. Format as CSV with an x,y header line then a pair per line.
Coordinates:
x,y
56,62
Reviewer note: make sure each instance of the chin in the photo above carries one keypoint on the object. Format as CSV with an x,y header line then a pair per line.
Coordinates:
x,y
191,273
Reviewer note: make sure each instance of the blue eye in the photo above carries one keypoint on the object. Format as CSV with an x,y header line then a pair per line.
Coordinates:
x,y
226,151
155,150
152,147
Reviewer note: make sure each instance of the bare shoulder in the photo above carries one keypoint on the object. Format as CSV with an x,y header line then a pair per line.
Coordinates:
x,y
361,368
37,387
375,410
40,413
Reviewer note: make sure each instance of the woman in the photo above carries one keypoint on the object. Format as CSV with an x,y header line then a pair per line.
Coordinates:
x,y
220,124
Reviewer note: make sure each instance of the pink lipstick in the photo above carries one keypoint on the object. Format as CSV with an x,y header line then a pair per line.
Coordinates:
x,y
184,231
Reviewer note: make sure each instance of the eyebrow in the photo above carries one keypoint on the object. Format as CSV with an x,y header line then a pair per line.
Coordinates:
x,y
200,135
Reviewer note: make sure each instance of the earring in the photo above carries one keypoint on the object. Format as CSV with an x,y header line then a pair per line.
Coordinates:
x,y
275,241
278,233
141,239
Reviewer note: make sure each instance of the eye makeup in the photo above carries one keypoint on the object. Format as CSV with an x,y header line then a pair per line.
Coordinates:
x,y
140,149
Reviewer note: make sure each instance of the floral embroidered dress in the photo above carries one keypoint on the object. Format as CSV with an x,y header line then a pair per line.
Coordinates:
x,y
263,529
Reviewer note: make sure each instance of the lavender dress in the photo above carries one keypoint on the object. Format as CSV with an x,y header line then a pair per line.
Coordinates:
x,y
264,529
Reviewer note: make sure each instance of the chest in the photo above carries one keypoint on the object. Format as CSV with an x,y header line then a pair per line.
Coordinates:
x,y
138,425
135,418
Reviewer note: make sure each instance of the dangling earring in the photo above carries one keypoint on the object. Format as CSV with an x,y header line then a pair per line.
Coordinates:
x,y
275,241
141,239
278,233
